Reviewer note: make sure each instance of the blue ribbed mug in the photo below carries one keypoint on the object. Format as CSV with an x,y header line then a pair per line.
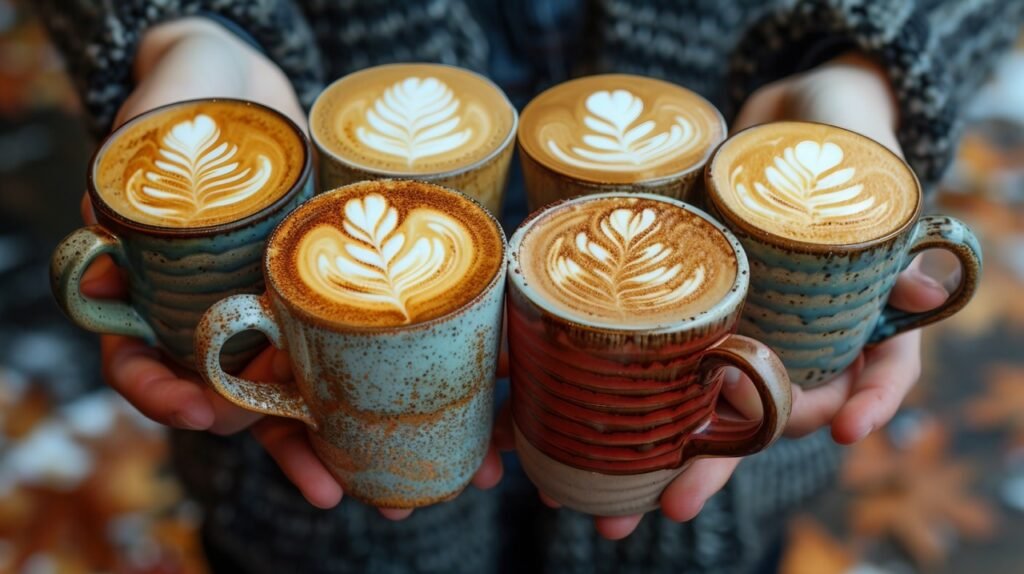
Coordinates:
x,y
176,271
819,288
399,412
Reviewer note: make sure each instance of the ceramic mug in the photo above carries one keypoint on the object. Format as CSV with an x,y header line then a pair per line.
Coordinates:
x,y
605,417
817,305
400,415
174,273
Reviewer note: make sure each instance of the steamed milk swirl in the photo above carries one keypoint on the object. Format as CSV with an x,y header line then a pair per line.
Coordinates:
x,y
620,129
412,119
629,262
814,183
200,165
385,253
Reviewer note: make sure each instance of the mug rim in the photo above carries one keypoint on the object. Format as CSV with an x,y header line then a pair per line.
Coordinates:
x,y
429,176
652,181
731,218
729,304
338,326
110,214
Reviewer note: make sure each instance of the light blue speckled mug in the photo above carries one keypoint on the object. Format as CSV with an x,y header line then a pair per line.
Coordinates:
x,y
387,296
828,218
185,196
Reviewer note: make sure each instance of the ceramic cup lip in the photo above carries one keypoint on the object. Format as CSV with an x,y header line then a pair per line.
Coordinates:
x,y
655,181
338,326
729,304
805,246
424,176
110,214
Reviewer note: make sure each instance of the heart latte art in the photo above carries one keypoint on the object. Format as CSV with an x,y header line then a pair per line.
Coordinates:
x,y
620,129
813,183
627,261
386,253
199,164
412,119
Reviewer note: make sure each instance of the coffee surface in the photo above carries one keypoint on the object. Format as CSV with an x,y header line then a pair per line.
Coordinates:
x,y
199,164
813,183
617,128
627,261
385,253
412,118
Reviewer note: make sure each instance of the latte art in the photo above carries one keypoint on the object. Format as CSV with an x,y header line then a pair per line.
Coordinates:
x,y
814,183
385,253
620,129
411,119
627,261
377,260
614,143
198,164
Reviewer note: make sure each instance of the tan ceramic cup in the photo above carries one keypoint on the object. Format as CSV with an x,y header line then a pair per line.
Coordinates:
x,y
395,106
615,133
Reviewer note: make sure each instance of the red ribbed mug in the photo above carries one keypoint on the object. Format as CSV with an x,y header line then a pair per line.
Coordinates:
x,y
607,413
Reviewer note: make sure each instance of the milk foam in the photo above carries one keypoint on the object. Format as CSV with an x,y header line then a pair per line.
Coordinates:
x,y
814,183
620,128
627,260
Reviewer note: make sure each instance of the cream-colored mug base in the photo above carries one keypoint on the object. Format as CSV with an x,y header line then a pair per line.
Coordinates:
x,y
592,492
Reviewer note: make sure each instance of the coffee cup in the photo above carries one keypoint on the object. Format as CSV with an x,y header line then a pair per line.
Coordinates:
x,y
185,196
616,133
621,311
429,122
828,218
387,296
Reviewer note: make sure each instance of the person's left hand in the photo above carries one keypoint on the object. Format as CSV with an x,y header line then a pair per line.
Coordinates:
x,y
851,92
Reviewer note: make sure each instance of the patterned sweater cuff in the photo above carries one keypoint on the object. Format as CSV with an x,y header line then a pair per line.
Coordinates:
x,y
100,46
921,48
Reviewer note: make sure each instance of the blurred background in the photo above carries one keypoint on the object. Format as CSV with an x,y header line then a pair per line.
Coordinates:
x,y
84,482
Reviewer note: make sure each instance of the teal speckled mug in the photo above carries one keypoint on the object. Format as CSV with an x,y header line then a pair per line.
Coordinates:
x,y
185,197
387,296
828,218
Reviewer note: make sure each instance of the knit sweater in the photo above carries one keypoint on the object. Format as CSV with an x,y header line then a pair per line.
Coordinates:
x,y
935,52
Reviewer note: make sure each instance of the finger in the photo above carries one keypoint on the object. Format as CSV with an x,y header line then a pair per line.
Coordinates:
x,y
103,280
740,393
503,435
230,418
916,292
135,370
548,501
395,514
617,527
816,407
764,105
287,443
489,474
685,496
890,371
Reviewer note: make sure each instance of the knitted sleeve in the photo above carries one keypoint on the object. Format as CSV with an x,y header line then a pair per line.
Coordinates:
x,y
936,53
99,40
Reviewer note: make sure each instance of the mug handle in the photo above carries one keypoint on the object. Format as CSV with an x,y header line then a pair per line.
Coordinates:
x,y
936,232
766,371
227,318
72,257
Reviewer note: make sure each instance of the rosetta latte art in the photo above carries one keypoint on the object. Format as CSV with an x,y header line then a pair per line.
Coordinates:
x,y
616,144
415,118
807,185
377,261
623,267
196,174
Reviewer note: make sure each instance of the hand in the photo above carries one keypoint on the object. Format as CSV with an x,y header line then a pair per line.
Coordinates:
x,y
182,60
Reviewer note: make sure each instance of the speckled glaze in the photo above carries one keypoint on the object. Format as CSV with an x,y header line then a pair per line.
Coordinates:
x,y
400,415
818,305
606,418
173,274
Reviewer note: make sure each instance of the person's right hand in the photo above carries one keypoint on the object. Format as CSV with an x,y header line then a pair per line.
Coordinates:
x,y
182,60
